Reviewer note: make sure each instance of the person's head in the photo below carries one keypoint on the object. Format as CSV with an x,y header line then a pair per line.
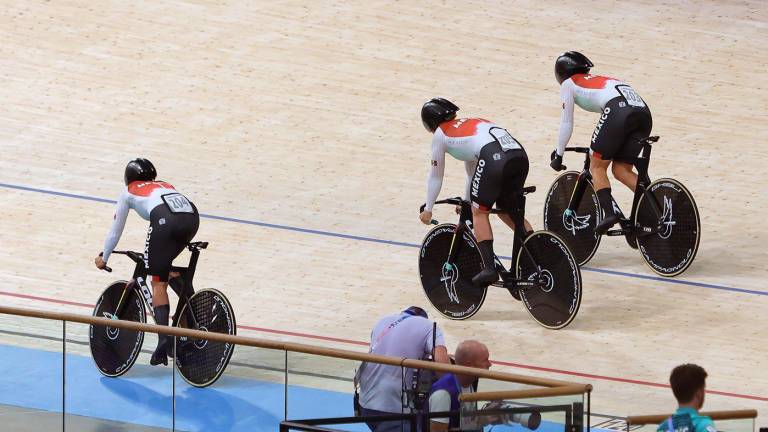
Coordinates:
x,y
571,63
437,111
416,311
688,383
139,170
473,354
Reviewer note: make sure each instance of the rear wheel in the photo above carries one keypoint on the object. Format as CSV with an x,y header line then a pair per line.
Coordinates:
x,y
672,250
578,229
555,304
448,285
115,350
201,362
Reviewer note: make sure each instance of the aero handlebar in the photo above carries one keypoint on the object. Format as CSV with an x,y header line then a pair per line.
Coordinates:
x,y
454,201
578,149
135,256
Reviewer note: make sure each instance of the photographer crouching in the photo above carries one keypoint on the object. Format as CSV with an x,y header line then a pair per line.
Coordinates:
x,y
408,334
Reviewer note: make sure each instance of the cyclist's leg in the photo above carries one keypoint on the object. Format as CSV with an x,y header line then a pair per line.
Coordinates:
x,y
507,219
639,125
184,231
486,187
164,243
607,140
515,174
623,172
157,262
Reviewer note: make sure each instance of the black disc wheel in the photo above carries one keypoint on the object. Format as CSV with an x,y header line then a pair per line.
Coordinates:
x,y
115,350
672,250
576,228
546,260
201,362
448,285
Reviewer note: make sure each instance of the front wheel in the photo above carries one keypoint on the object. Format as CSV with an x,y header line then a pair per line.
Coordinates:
x,y
448,285
577,229
545,257
672,250
201,362
115,350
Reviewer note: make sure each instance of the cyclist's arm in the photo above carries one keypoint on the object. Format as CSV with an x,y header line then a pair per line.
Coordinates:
x,y
566,116
116,230
470,167
436,171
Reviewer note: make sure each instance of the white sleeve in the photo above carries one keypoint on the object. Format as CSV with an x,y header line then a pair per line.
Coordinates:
x,y
440,401
566,117
470,166
116,230
436,171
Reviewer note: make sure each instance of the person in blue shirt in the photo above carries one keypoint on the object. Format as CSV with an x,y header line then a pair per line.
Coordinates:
x,y
444,395
688,383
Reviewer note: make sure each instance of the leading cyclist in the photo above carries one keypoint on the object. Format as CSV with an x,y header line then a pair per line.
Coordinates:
x,y
625,119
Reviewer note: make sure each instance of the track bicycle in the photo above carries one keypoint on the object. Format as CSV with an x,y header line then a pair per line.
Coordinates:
x,y
664,224
200,362
543,273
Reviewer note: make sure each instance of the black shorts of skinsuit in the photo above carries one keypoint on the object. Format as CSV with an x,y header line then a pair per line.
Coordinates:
x,y
168,235
618,129
498,175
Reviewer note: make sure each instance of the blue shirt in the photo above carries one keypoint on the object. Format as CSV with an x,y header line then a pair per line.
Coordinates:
x,y
687,420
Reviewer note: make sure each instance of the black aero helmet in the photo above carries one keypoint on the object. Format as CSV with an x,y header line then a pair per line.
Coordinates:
x,y
139,170
436,111
570,63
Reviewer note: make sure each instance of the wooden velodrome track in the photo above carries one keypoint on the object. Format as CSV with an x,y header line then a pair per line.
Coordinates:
x,y
306,114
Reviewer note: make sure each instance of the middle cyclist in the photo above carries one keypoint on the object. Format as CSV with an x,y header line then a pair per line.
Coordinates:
x,y
496,166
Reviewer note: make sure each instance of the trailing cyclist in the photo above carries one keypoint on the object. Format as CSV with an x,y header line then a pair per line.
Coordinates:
x,y
625,118
173,222
496,166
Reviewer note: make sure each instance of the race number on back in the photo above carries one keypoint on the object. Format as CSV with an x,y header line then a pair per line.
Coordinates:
x,y
630,95
178,203
504,139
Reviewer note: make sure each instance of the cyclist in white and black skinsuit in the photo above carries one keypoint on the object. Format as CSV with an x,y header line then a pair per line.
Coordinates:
x,y
625,119
496,166
173,222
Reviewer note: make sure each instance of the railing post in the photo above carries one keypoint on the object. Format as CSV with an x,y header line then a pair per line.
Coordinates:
x,y
578,417
63,375
173,386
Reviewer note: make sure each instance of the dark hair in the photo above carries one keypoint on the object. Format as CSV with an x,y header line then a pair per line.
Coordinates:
x,y
686,380
416,311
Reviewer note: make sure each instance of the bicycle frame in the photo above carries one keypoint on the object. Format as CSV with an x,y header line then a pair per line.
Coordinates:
x,y
641,163
186,274
520,233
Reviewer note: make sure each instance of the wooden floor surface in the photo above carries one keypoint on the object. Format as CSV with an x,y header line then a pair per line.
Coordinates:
x,y
306,114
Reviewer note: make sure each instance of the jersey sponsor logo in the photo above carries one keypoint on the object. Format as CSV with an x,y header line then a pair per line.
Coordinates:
x,y
464,127
600,123
594,82
146,248
145,189
478,176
